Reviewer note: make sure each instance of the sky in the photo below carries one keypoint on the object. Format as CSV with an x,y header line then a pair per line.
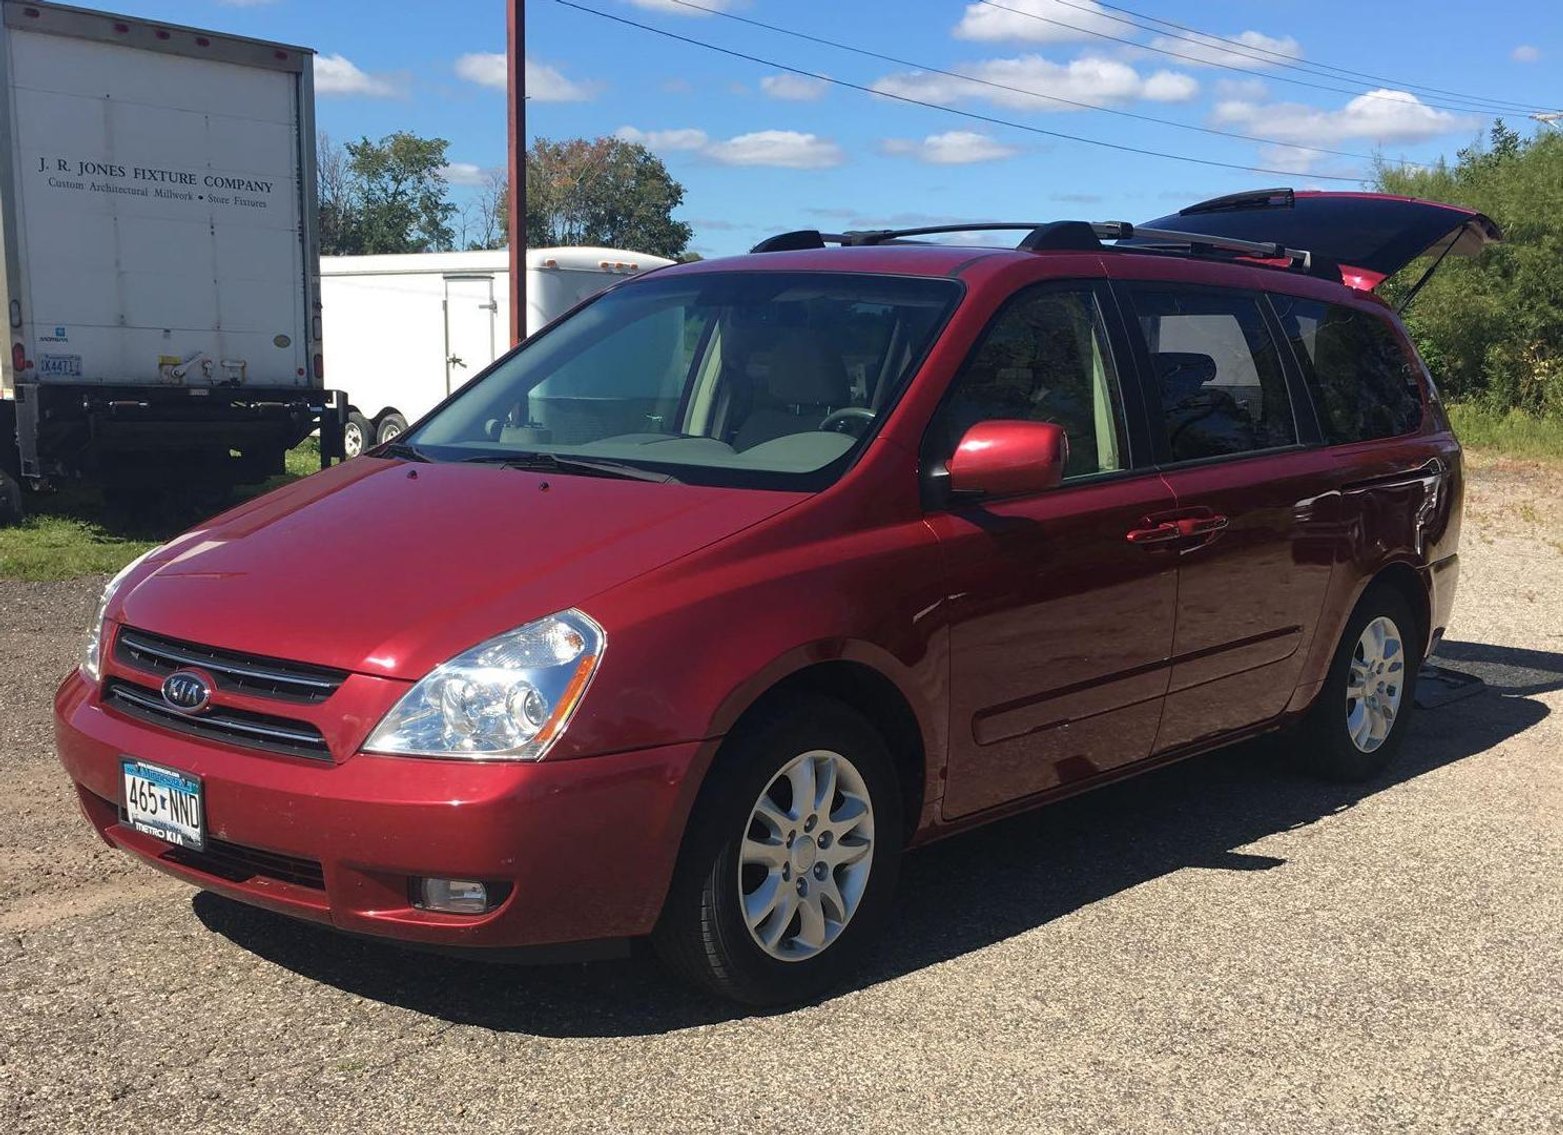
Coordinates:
x,y
1315,89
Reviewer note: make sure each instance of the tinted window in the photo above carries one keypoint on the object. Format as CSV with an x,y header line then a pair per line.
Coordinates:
x,y
1364,383
1217,370
1045,359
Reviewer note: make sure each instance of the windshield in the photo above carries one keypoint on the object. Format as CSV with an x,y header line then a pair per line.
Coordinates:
x,y
762,379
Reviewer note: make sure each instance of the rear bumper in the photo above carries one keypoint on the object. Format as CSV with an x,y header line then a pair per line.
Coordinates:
x,y
586,846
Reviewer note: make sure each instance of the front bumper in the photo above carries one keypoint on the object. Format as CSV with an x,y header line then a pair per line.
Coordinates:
x,y
587,846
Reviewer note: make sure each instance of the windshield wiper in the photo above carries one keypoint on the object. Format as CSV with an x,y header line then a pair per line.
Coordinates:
x,y
403,450
580,466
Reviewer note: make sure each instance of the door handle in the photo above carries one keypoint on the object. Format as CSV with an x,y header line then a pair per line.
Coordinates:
x,y
1201,525
1154,534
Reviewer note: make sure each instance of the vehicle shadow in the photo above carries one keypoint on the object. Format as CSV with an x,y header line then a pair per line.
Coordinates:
x,y
957,896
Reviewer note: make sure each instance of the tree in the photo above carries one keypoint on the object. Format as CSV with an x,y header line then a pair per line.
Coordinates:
x,y
385,196
485,218
1491,329
606,192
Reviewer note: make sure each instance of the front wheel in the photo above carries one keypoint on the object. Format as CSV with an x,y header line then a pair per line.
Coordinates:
x,y
1358,722
791,858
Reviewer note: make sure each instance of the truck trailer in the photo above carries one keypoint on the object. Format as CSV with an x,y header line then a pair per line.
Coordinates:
x,y
450,312
161,272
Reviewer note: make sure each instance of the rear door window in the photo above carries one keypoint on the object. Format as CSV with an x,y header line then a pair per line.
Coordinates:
x,y
1217,370
1362,379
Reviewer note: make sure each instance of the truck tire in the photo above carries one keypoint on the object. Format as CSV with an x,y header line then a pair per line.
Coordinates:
x,y
392,426
357,435
10,500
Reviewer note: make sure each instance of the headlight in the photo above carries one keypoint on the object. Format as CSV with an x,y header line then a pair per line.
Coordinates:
x,y
505,699
92,658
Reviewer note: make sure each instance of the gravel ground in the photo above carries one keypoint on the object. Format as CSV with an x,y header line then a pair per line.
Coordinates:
x,y
1219,946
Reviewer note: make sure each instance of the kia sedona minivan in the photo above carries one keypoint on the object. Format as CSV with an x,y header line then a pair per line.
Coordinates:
x,y
691,615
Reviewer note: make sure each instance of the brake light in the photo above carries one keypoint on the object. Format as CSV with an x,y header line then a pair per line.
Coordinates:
x,y
320,367
18,357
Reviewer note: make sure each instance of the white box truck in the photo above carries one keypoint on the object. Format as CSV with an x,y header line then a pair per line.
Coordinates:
x,y
408,331
160,265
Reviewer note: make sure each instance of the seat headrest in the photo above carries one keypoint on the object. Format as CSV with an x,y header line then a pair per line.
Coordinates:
x,y
1182,372
804,372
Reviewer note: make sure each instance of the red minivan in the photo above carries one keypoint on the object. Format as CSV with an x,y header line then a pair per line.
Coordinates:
x,y
691,614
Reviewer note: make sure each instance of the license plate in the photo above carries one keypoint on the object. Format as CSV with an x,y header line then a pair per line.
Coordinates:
x,y
164,803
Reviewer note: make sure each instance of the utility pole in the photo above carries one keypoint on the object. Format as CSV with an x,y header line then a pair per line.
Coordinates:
x,y
515,47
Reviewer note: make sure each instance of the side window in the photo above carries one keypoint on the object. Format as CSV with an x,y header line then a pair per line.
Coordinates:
x,y
1362,380
1044,359
1217,370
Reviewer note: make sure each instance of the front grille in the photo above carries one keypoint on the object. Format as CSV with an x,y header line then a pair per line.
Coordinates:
x,y
241,864
248,674
221,723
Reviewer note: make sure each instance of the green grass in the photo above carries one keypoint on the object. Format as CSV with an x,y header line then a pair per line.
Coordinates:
x,y
69,533
1511,434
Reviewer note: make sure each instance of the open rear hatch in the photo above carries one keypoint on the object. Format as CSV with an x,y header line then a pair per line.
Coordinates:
x,y
1370,236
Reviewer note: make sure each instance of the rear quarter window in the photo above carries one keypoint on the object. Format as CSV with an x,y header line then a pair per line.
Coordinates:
x,y
1363,381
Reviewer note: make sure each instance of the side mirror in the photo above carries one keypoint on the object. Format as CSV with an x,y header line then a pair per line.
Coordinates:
x,y
1007,458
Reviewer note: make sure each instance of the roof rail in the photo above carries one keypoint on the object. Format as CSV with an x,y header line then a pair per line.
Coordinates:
x,y
1077,236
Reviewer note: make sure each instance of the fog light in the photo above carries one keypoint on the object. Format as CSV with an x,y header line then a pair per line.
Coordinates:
x,y
455,896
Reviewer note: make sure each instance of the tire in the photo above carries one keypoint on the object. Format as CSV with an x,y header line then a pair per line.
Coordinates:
x,y
704,935
357,435
1343,736
392,426
10,500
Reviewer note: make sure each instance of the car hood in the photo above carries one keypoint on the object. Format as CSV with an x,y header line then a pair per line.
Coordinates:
x,y
1371,236
390,568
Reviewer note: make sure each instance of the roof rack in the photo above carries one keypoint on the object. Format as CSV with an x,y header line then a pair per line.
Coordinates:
x,y
1077,236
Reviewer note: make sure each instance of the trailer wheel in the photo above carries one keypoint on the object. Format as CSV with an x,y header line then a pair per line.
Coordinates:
x,y
392,426
10,500
357,434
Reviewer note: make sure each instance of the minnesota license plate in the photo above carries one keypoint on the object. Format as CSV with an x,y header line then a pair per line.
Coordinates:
x,y
164,803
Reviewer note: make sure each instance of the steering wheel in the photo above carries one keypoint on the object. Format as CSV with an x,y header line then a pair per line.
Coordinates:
x,y
836,422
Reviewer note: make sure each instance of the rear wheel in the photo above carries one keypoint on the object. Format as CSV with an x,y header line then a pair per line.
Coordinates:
x,y
357,434
392,426
1358,723
791,857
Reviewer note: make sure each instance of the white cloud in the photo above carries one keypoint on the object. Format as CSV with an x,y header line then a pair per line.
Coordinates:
x,y
663,139
244,3
956,147
782,149
794,88
678,85
785,149
1089,79
1382,116
679,9
1525,53
464,173
485,68
339,75
1261,50
543,83
1035,21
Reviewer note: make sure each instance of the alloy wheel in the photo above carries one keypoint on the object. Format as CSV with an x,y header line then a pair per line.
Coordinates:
x,y
806,855
1375,684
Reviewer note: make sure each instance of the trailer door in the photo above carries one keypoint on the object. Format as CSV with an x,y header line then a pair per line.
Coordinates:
x,y
471,315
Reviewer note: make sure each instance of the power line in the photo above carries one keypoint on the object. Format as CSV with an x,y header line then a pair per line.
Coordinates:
x,y
1022,90
1282,59
988,118
1205,61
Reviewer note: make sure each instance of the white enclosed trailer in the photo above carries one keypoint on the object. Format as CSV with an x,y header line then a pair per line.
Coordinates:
x,y
160,264
407,331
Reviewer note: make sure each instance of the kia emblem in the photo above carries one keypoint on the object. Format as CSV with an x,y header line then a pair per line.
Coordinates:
x,y
187,691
